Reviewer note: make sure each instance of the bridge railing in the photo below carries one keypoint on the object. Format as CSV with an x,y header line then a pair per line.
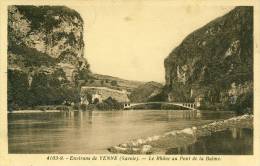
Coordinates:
x,y
186,105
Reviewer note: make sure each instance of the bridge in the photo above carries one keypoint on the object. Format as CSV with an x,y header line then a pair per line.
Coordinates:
x,y
190,106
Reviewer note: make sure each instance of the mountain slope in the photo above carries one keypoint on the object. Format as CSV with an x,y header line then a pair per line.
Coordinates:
x,y
145,92
45,54
215,62
45,37
112,82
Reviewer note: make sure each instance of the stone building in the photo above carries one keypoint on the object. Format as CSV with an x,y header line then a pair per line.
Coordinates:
x,y
102,93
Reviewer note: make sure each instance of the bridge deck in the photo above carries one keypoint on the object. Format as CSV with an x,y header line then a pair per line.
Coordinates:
x,y
185,105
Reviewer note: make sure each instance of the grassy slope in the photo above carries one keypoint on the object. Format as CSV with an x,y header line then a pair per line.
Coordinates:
x,y
112,82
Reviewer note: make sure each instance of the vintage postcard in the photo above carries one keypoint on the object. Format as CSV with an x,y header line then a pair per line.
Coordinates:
x,y
129,82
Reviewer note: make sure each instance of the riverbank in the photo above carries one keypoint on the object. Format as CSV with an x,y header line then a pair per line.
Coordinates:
x,y
179,138
65,110
32,111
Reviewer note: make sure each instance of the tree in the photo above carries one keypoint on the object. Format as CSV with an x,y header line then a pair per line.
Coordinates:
x,y
114,83
84,74
96,101
17,88
89,98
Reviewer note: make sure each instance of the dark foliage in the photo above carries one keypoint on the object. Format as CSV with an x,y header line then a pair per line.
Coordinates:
x,y
30,57
244,104
17,89
109,104
43,15
45,90
114,83
85,74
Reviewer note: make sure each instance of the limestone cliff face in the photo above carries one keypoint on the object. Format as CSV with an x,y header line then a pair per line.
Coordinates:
x,y
52,35
213,60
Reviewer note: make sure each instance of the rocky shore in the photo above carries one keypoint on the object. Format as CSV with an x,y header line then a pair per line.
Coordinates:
x,y
179,138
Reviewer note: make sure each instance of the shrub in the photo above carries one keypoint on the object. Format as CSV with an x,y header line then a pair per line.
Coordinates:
x,y
244,104
114,83
109,104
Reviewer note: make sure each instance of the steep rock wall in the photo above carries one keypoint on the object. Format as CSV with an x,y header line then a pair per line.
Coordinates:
x,y
45,56
213,59
53,33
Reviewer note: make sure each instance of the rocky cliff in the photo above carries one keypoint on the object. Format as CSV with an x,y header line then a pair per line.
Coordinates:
x,y
45,38
215,62
45,54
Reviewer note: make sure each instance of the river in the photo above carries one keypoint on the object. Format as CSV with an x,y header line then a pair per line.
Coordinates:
x,y
92,132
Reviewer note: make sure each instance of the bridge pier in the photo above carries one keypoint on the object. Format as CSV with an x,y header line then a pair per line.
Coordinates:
x,y
127,105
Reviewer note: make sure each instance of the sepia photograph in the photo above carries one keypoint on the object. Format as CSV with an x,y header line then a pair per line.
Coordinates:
x,y
130,78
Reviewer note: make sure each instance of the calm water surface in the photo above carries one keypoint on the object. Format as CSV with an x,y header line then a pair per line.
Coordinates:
x,y
236,141
93,132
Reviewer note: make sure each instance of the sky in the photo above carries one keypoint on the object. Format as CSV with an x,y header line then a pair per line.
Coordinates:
x,y
131,40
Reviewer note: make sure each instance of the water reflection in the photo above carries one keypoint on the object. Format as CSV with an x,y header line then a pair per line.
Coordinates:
x,y
191,114
90,116
93,131
184,114
235,141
